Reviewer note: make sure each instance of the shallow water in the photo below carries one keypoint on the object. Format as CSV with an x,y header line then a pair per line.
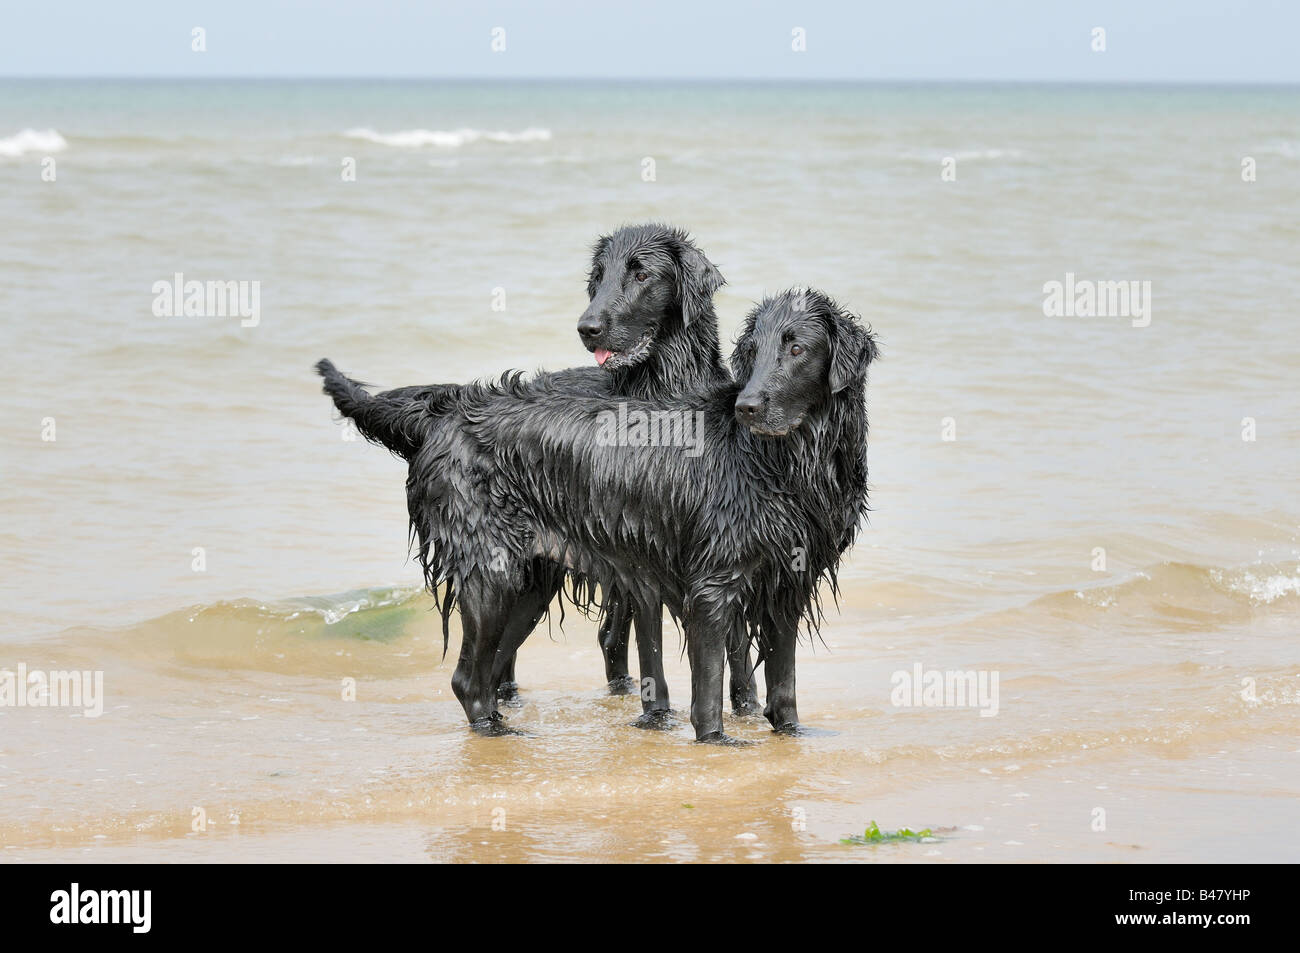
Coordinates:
x,y
1160,687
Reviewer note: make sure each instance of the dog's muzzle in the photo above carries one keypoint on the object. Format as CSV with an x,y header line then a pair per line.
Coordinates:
x,y
615,360
756,413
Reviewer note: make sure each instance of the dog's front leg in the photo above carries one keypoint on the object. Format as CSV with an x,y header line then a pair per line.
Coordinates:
x,y
779,672
706,648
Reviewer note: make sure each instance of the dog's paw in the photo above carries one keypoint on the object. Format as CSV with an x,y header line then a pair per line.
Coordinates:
x,y
622,685
721,738
660,719
492,726
792,729
508,695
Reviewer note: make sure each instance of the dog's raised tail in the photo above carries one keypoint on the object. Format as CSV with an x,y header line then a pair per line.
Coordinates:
x,y
396,424
348,395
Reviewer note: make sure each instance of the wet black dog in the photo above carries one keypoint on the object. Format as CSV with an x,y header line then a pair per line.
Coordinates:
x,y
651,325
515,482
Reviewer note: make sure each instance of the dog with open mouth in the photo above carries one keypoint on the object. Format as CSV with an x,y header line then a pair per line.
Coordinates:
x,y
502,478
637,285
651,325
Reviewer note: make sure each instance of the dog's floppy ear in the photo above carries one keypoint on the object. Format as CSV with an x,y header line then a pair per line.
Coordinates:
x,y
697,279
853,347
597,254
746,349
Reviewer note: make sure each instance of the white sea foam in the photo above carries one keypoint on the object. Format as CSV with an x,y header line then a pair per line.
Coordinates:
x,y
934,155
1287,150
32,140
334,609
445,138
1265,587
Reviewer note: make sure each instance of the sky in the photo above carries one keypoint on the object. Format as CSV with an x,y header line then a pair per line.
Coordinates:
x,y
1196,41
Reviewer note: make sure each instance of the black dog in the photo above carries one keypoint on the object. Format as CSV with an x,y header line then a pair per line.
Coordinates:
x,y
651,325
510,484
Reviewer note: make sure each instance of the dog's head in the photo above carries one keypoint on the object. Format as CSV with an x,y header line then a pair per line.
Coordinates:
x,y
797,351
646,282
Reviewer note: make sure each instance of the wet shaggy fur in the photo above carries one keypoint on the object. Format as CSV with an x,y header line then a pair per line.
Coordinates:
x,y
650,292
509,488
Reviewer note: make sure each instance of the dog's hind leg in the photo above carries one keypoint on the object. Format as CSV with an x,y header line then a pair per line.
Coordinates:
x,y
613,638
484,612
744,688
526,610
507,686
463,676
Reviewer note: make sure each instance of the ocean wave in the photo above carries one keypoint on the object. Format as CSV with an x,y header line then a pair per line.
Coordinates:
x,y
1287,150
445,138
1260,587
938,155
32,140
359,607
308,628
1185,591
310,634
334,609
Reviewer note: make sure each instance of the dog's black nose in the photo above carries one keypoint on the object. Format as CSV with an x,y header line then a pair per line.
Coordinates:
x,y
747,407
590,328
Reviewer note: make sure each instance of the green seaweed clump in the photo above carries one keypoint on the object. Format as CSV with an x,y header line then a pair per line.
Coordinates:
x,y
874,835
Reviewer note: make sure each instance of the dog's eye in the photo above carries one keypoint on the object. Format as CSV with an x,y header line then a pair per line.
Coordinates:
x,y
641,276
796,350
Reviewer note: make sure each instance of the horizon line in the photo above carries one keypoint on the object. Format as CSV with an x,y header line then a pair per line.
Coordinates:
x,y
797,80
